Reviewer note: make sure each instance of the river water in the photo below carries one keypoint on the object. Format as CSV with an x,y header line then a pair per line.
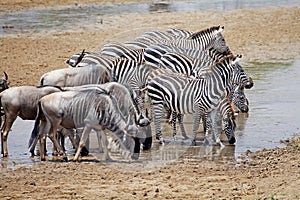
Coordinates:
x,y
274,99
90,16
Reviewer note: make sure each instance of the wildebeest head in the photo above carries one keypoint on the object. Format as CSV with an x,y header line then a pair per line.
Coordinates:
x,y
4,82
131,139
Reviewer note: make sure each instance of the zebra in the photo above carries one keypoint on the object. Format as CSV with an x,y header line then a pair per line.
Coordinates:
x,y
179,32
201,40
154,53
181,63
169,34
194,96
234,95
119,50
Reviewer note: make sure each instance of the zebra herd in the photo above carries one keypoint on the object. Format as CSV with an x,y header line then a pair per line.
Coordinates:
x,y
175,71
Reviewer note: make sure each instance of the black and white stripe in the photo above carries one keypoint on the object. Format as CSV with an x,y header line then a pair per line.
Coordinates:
x,y
121,51
194,96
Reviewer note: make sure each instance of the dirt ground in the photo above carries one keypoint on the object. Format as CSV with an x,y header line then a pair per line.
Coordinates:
x,y
270,34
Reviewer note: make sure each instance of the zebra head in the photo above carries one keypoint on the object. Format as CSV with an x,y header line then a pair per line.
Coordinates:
x,y
239,74
219,45
228,127
240,100
4,82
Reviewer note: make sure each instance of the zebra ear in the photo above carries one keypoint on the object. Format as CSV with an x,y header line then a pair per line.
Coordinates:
x,y
220,29
237,59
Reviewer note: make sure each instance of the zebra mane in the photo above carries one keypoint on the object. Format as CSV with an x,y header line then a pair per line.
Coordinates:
x,y
207,70
205,32
225,59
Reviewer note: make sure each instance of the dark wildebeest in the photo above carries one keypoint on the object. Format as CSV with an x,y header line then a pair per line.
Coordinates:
x,y
21,101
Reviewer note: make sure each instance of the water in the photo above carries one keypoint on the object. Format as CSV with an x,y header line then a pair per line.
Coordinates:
x,y
90,16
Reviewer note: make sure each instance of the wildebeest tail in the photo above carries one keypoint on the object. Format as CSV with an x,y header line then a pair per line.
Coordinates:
x,y
36,128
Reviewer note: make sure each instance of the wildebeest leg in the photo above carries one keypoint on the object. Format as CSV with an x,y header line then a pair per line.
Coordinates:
x,y
52,136
103,143
71,134
44,129
100,142
84,137
61,138
8,122
85,149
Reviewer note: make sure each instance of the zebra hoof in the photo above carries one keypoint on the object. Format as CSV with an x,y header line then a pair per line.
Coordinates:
x,y
65,159
185,137
193,142
162,142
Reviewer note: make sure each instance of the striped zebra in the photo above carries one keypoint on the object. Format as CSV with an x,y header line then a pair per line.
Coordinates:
x,y
169,34
179,32
194,96
154,53
183,64
121,51
234,95
201,40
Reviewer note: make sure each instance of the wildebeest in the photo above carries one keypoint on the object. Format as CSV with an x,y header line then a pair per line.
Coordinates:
x,y
68,77
3,86
92,109
4,82
21,101
125,99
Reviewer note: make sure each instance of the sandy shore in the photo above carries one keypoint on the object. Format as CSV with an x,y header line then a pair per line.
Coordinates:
x,y
259,34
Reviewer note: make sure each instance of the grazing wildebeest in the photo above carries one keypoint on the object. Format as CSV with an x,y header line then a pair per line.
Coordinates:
x,y
21,101
125,99
69,77
92,109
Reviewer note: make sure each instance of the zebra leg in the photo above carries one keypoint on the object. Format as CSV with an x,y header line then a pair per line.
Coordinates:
x,y
174,117
216,133
158,112
180,120
197,116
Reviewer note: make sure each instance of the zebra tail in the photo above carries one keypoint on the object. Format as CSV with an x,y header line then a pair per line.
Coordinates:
x,y
36,128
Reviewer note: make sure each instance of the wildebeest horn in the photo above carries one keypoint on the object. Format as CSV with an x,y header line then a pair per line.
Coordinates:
x,y
6,76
